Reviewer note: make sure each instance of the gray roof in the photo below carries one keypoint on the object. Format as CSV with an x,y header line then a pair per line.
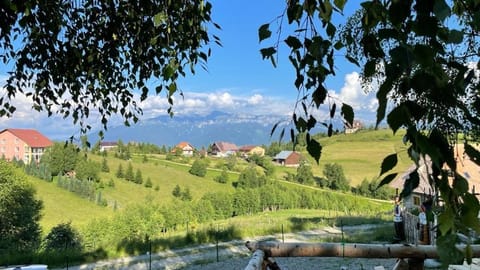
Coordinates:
x,y
283,155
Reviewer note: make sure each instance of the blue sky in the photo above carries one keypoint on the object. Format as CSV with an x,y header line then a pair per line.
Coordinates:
x,y
237,80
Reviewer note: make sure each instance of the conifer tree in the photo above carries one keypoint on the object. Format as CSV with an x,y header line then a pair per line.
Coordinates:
x,y
119,172
138,177
129,176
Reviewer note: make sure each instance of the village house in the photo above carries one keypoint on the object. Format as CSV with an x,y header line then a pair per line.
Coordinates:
x,y
465,167
288,158
223,149
23,144
248,150
185,148
354,127
106,146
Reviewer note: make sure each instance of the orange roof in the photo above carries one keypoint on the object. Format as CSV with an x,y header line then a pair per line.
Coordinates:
x,y
30,136
183,145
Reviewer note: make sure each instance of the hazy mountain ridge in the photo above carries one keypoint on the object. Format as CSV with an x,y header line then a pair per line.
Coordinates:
x,y
201,130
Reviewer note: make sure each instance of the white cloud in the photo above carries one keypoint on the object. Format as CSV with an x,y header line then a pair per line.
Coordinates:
x,y
352,94
255,99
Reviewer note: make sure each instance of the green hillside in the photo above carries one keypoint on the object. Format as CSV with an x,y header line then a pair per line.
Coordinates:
x,y
359,154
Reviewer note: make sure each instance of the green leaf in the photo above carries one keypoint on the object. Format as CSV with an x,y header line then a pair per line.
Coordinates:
x,y
332,110
159,19
370,68
264,32
340,4
268,52
441,10
347,113
410,184
293,42
447,250
397,118
388,163
319,95
314,149
387,179
455,37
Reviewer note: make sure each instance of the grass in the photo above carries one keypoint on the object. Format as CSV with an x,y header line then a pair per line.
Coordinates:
x,y
359,154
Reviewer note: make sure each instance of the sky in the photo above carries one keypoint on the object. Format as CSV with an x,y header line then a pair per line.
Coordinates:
x,y
236,81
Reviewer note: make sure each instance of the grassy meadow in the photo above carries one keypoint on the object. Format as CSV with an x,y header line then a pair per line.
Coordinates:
x,y
359,154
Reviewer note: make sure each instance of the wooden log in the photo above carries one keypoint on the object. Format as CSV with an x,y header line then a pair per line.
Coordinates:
x,y
278,249
256,261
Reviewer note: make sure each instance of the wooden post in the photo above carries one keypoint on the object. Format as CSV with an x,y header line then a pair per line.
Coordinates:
x,y
277,249
257,261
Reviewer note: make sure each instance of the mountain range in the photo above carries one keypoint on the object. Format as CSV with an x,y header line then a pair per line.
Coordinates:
x,y
202,130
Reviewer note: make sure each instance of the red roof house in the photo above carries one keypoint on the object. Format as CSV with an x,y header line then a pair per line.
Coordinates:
x,y
185,148
223,149
23,144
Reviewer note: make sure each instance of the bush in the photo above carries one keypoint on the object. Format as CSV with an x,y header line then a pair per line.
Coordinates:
x,y
63,236
199,168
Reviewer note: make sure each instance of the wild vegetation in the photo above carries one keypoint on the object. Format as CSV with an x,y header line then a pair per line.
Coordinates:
x,y
111,215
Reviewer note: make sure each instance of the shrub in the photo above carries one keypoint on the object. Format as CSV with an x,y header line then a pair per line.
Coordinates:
x,y
63,236
199,168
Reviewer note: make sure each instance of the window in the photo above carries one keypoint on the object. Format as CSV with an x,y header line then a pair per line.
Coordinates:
x,y
17,140
17,149
416,200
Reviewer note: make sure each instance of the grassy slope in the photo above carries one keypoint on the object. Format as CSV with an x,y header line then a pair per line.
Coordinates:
x,y
359,154
362,153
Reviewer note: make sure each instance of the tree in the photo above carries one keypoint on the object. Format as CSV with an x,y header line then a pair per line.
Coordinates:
x,y
87,170
304,174
177,191
119,173
138,177
222,178
61,158
105,167
20,212
127,45
250,178
199,168
129,176
61,237
186,195
335,177
148,183
423,56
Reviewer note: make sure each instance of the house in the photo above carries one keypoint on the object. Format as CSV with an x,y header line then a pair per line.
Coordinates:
x,y
23,144
465,167
185,149
223,149
354,127
106,146
248,150
288,158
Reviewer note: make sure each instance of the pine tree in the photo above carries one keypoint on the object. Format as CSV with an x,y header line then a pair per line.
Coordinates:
x,y
138,177
129,176
105,167
148,183
119,172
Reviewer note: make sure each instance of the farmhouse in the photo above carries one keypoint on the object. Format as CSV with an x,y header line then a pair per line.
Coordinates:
x,y
23,144
248,150
185,148
223,149
288,158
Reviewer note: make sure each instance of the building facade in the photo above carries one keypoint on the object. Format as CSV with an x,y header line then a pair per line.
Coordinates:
x,y
27,145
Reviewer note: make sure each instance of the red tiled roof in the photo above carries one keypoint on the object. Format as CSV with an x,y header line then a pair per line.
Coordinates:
x,y
183,145
246,148
30,136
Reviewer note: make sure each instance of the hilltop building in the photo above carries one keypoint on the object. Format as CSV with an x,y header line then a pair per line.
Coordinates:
x,y
106,146
354,127
23,144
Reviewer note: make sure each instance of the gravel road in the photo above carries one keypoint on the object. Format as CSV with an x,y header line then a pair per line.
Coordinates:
x,y
234,255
